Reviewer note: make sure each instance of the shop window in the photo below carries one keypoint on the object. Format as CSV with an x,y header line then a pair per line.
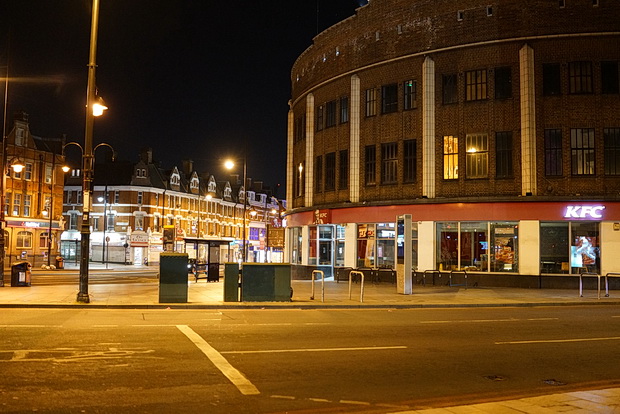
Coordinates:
x,y
330,114
296,243
582,151
312,245
450,157
503,83
611,139
504,241
330,171
503,154
580,77
410,94
609,78
344,109
365,245
447,246
477,160
409,161
389,163
371,102
318,174
449,89
386,245
343,173
569,248
553,152
476,85
551,79
24,240
389,98
371,164
340,244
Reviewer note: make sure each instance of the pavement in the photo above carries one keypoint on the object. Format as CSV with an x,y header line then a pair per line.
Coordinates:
x,y
144,294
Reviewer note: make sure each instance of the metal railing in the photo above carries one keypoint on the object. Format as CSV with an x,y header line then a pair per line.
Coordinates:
x,y
430,272
322,285
361,275
458,272
590,274
608,275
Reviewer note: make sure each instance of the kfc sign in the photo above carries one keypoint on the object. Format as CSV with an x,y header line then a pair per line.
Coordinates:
x,y
584,212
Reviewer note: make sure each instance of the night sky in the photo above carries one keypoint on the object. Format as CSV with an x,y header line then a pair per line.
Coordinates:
x,y
199,79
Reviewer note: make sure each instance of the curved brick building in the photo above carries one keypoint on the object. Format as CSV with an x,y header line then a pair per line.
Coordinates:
x,y
459,135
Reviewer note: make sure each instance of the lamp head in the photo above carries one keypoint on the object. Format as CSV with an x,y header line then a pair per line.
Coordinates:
x,y
99,106
18,166
229,164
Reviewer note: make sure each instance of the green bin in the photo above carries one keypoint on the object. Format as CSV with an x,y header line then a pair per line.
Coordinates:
x,y
266,282
231,282
173,277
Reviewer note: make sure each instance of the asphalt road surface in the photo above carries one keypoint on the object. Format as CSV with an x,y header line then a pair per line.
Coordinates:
x,y
299,361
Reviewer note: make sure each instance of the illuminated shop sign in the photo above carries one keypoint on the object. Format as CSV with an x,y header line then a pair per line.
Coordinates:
x,y
584,212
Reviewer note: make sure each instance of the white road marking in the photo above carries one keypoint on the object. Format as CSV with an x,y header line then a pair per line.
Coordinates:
x,y
30,326
491,320
275,351
319,400
283,397
552,341
234,375
354,402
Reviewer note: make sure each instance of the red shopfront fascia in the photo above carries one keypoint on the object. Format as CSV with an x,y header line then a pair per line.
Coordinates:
x,y
542,211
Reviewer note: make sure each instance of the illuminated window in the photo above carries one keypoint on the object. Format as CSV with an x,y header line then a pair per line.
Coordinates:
x,y
475,85
28,171
17,204
48,174
450,157
27,204
477,160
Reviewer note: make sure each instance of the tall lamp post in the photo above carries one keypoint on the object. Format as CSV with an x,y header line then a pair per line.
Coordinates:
x,y
229,164
50,207
87,156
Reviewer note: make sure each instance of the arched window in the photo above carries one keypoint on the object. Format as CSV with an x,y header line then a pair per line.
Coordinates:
x,y
24,240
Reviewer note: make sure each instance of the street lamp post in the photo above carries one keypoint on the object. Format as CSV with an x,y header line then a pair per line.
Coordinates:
x,y
229,165
87,158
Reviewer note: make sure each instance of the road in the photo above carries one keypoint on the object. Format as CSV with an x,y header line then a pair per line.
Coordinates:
x,y
304,361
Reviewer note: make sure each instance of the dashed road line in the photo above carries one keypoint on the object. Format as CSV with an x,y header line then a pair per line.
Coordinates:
x,y
354,402
233,374
284,397
555,341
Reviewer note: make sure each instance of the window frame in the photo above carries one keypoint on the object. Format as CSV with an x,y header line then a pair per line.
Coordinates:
x,y
410,161
583,155
389,163
477,156
476,85
611,143
552,79
503,82
580,78
389,98
330,171
449,92
343,169
450,157
410,95
503,155
370,165
370,102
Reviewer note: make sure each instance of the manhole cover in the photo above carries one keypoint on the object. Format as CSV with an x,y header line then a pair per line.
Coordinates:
x,y
495,377
553,382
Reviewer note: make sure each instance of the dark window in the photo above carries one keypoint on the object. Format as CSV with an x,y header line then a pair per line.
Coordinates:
x,y
503,83
410,94
561,3
371,163
611,137
371,102
503,154
330,114
389,163
475,85
389,98
580,77
318,174
343,176
330,171
551,79
320,117
582,151
609,77
344,109
553,152
409,161
300,128
450,94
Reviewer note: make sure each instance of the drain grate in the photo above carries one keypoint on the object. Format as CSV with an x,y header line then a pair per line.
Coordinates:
x,y
495,377
553,382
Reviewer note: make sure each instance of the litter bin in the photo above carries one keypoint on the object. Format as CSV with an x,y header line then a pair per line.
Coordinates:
x,y
20,274
60,262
